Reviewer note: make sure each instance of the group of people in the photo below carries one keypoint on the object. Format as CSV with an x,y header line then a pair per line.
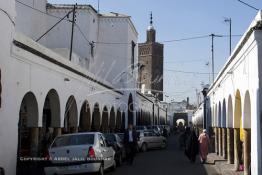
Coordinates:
x,y
194,145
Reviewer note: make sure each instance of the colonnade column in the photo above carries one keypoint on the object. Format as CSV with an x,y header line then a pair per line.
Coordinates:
x,y
220,141
236,147
247,150
34,135
57,132
224,142
216,140
230,145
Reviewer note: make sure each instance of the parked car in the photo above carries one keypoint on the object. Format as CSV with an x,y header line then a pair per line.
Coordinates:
x,y
156,128
80,153
118,145
121,136
150,139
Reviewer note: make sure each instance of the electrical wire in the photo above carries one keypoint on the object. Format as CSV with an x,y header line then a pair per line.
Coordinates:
x,y
82,33
120,43
185,72
9,16
41,11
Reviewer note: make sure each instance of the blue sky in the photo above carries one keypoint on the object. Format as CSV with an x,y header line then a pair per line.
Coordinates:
x,y
177,19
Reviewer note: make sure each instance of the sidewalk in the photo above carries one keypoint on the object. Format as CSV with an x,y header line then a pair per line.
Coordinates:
x,y
221,165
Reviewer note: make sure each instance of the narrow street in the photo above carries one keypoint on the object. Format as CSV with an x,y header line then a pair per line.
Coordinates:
x,y
165,162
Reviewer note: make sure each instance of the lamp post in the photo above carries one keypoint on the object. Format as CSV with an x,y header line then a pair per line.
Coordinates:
x,y
212,51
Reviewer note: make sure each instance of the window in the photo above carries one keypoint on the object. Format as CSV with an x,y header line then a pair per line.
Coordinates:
x,y
102,141
83,139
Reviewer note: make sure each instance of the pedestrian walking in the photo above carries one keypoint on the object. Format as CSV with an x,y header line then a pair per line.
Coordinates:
x,y
130,142
203,143
165,132
192,147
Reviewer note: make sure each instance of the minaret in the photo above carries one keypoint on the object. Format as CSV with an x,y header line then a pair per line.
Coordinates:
x,y
151,33
151,56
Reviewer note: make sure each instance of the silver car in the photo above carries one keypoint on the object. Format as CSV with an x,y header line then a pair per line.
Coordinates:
x,y
80,153
150,139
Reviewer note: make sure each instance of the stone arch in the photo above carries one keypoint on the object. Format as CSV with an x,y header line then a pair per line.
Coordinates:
x,y
238,130
52,102
213,116
71,119
96,118
247,112
219,119
28,118
27,130
112,121
224,112
229,112
105,120
118,120
238,110
216,116
130,109
50,121
85,117
123,124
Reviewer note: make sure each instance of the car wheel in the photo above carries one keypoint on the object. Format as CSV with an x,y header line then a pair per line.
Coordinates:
x,y
144,147
101,170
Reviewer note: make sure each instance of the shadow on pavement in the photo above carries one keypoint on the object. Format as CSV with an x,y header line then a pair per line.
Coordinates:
x,y
169,161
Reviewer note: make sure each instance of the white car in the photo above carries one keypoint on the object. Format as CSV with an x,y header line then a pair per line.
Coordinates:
x,y
86,152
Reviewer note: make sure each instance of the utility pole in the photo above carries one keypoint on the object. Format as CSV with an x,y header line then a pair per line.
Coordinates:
x,y
230,33
72,32
212,51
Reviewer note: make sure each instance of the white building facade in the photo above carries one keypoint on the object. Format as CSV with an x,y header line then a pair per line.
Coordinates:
x,y
234,103
42,90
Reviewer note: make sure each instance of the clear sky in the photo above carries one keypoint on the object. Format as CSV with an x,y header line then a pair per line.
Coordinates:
x,y
178,19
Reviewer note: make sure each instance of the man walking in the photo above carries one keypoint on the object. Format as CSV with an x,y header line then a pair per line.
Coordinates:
x,y
130,141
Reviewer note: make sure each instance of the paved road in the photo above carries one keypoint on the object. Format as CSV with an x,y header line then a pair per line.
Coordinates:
x,y
170,161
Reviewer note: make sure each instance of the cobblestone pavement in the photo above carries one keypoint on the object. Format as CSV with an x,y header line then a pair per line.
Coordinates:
x,y
169,161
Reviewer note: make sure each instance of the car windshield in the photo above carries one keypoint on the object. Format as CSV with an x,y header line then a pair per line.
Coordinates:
x,y
110,137
70,140
121,136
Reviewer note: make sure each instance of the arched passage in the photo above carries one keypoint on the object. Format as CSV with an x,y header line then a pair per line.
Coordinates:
x,y
229,112
219,115
130,110
96,118
50,121
112,122
247,112
123,124
224,130
118,120
105,120
224,112
238,131
27,131
216,116
85,117
230,132
71,117
246,124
